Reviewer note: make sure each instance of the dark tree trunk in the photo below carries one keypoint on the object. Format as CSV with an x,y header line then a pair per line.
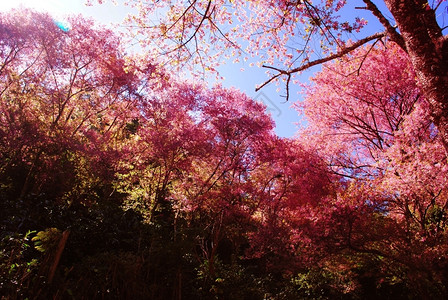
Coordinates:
x,y
428,50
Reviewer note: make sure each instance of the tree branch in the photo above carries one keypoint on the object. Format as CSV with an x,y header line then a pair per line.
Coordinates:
x,y
391,30
313,63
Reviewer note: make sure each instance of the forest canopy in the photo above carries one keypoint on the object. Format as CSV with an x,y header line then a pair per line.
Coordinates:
x,y
119,180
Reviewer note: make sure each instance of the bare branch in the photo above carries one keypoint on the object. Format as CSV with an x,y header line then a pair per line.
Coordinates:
x,y
318,23
182,17
205,16
365,56
280,73
313,63
287,86
391,30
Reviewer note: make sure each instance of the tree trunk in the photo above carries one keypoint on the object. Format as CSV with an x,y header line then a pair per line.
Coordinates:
x,y
428,50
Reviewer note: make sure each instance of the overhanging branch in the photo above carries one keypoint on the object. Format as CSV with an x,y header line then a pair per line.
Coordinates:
x,y
313,63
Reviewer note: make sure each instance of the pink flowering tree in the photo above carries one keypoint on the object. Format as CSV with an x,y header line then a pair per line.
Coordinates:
x,y
356,105
372,125
282,36
208,160
65,97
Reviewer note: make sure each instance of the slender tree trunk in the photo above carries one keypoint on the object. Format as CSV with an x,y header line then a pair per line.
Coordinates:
x,y
428,50
58,254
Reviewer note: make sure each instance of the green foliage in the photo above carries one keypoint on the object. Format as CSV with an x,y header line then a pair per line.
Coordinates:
x,y
18,266
46,240
230,281
318,283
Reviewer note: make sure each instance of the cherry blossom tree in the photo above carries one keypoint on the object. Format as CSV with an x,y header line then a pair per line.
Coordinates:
x,y
375,126
372,125
282,35
209,157
355,107
78,115
360,197
63,94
